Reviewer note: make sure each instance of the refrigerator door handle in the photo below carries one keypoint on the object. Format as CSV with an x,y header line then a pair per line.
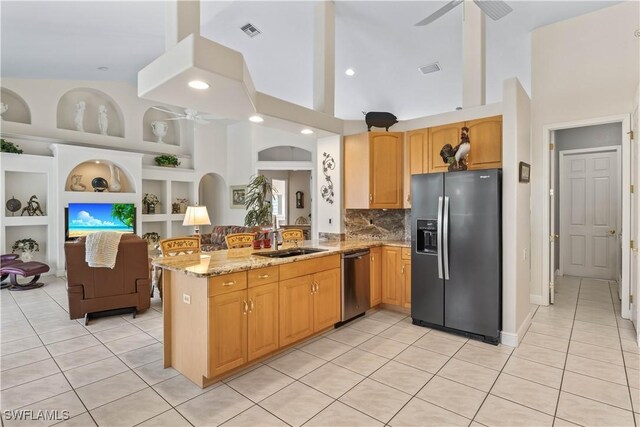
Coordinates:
x,y
445,237
439,237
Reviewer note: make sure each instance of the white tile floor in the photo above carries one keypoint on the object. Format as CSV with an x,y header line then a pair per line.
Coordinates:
x,y
578,364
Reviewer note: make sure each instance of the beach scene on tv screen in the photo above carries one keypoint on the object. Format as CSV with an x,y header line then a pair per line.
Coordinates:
x,y
87,218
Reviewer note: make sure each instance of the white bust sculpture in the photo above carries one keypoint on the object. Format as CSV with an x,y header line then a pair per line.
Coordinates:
x,y
79,120
3,109
103,120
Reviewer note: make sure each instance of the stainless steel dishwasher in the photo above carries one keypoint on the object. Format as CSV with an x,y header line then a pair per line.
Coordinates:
x,y
355,284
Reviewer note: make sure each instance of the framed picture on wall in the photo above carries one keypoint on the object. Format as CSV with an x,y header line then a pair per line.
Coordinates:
x,y
238,194
525,172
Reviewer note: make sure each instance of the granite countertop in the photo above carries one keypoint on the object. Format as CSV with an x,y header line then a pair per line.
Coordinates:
x,y
233,260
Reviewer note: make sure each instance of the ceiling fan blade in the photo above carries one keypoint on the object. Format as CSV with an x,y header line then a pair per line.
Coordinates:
x,y
438,13
494,9
167,111
177,118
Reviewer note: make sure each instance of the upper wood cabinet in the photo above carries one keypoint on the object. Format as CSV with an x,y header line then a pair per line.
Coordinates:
x,y
373,166
486,143
418,147
440,136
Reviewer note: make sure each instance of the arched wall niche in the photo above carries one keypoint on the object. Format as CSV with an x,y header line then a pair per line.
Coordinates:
x,y
93,98
173,126
90,169
17,109
284,153
213,193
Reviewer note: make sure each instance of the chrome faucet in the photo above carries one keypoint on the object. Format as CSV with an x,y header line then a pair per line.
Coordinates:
x,y
275,232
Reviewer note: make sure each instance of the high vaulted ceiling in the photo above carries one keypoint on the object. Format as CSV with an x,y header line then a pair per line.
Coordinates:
x,y
378,39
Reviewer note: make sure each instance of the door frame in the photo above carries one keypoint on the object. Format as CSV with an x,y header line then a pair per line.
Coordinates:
x,y
558,194
547,134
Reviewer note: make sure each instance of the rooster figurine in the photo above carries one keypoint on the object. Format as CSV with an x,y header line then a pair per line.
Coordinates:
x,y
462,150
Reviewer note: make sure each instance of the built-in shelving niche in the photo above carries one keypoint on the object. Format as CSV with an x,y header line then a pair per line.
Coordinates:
x,y
18,110
93,98
173,126
98,168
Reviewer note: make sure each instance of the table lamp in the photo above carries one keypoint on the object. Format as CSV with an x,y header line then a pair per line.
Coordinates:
x,y
197,216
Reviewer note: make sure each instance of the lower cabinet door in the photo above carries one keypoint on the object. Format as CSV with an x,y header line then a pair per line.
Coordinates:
x,y
391,276
406,283
296,309
375,276
326,304
228,328
263,320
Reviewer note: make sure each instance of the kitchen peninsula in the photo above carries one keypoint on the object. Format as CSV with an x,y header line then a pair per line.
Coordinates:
x,y
227,309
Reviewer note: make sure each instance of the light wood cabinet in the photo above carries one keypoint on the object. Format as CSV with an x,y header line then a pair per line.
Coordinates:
x,y
326,303
375,276
228,331
296,309
373,170
486,143
391,276
418,146
439,136
262,320
406,283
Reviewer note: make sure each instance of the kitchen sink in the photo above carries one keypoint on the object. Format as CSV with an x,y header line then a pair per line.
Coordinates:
x,y
286,253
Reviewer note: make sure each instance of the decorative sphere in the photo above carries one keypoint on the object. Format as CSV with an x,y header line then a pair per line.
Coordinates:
x,y
99,184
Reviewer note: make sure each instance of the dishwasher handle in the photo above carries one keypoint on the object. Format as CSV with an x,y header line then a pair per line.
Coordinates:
x,y
357,255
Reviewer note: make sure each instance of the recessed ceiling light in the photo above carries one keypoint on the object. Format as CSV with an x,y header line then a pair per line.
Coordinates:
x,y
103,68
256,119
198,84
306,131
349,72
98,161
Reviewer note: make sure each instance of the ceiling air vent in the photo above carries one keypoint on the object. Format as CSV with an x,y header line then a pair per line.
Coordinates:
x,y
250,30
431,68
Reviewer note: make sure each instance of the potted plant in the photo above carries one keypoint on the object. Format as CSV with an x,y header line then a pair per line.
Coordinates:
x,y
27,247
258,201
150,201
9,147
152,238
167,160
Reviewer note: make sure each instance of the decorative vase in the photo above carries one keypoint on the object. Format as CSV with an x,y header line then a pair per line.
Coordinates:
x,y
151,209
99,184
79,118
26,256
115,185
76,185
160,129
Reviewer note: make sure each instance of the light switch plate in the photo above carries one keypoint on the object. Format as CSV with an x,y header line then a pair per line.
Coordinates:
x,y
186,299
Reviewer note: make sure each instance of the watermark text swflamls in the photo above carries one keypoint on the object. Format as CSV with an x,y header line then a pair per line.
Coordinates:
x,y
36,415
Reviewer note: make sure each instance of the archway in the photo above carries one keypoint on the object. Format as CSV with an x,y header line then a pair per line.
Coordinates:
x,y
212,192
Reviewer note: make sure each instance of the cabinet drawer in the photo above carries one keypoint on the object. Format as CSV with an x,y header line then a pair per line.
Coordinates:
x,y
227,283
406,253
262,276
310,266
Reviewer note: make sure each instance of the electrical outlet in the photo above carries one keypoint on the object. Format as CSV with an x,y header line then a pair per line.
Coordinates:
x,y
330,220
186,299
371,221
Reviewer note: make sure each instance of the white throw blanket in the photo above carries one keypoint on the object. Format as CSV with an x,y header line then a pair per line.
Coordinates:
x,y
101,249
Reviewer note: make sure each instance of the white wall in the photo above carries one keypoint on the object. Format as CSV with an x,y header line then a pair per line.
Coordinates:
x,y
516,212
582,68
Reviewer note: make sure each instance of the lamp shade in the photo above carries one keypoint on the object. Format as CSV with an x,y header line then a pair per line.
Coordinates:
x,y
196,215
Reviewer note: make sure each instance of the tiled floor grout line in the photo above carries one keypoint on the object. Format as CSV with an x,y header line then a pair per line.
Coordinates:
x,y
58,366
626,374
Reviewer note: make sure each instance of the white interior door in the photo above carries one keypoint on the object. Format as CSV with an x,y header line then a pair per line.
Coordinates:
x,y
589,203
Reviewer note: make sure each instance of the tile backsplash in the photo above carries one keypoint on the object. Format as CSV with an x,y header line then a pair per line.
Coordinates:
x,y
378,224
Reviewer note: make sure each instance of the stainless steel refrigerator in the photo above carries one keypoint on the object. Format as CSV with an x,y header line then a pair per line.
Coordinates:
x,y
456,260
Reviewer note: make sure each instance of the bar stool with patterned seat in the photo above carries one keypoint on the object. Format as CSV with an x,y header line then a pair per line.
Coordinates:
x,y
180,246
292,235
239,240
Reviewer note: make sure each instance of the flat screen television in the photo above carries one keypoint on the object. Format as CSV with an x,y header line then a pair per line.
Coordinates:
x,y
82,219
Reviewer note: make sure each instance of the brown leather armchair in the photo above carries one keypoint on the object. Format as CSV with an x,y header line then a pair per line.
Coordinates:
x,y
91,289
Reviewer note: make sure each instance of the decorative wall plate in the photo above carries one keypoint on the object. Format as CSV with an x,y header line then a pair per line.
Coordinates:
x,y
13,205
